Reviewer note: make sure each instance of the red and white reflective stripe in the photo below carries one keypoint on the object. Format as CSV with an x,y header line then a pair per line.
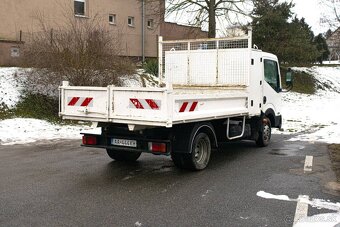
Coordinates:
x,y
148,104
188,107
80,101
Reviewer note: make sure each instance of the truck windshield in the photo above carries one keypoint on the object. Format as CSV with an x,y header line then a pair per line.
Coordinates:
x,y
271,74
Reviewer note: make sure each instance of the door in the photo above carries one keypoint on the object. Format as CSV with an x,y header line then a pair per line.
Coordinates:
x,y
271,87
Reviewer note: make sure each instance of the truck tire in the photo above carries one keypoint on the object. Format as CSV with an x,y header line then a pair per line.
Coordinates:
x,y
199,155
123,155
265,133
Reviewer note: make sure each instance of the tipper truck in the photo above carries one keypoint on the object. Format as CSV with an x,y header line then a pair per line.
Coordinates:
x,y
210,91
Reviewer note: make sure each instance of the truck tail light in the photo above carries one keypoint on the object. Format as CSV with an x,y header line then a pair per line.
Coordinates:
x,y
89,140
157,147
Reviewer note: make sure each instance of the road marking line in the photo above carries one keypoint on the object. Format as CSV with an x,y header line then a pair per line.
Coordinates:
x,y
308,164
301,208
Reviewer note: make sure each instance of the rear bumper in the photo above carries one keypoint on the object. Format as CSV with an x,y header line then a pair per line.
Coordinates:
x,y
142,144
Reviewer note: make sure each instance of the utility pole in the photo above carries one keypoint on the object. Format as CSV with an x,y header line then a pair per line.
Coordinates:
x,y
143,31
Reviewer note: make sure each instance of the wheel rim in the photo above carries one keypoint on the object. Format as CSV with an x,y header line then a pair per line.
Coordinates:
x,y
201,151
266,132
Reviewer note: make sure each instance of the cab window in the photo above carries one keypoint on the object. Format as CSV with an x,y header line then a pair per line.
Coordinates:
x,y
271,74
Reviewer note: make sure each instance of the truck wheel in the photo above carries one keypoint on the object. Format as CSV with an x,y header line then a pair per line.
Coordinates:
x,y
123,155
265,133
199,156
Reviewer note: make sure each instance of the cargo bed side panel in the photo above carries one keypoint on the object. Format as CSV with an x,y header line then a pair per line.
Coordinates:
x,y
140,106
84,102
209,106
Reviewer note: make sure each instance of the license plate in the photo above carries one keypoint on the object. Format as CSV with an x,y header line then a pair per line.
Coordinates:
x,y
123,142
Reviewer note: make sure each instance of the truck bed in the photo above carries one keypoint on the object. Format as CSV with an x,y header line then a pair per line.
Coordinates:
x,y
204,79
151,106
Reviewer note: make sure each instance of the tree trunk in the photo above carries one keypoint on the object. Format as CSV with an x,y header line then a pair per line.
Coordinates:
x,y
212,19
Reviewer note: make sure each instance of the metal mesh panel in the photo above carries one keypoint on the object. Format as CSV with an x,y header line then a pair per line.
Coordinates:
x,y
175,62
219,62
233,67
231,44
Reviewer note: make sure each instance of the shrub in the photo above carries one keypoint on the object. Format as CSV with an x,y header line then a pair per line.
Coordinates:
x,y
151,67
303,82
38,106
5,112
83,52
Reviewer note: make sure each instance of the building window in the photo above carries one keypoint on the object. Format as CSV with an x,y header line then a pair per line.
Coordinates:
x,y
150,23
15,52
131,21
112,18
79,7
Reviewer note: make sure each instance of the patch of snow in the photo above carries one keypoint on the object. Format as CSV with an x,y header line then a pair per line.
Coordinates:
x,y
320,220
11,80
322,204
314,117
131,81
331,62
267,195
138,224
27,130
141,79
244,218
317,203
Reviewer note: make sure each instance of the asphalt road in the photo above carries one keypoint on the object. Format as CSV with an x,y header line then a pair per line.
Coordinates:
x,y
62,184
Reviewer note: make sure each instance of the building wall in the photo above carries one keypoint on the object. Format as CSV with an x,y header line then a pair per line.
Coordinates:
x,y
25,16
10,52
333,43
173,31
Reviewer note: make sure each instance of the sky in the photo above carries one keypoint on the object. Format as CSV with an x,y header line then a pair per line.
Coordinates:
x,y
311,11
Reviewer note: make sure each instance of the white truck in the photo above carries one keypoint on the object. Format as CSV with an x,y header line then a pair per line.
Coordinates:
x,y
210,91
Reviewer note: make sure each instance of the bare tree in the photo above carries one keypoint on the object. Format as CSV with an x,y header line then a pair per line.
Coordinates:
x,y
201,12
331,13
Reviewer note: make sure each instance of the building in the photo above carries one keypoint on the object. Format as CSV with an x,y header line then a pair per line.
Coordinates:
x,y
173,31
333,42
139,23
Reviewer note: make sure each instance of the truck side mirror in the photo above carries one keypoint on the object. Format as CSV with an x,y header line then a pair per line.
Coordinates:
x,y
289,77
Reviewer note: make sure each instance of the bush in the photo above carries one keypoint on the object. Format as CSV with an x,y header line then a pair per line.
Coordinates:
x,y
38,106
5,112
151,67
83,52
303,82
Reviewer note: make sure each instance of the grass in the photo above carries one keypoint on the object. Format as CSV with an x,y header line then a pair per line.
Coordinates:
x,y
33,106
303,82
5,112
334,153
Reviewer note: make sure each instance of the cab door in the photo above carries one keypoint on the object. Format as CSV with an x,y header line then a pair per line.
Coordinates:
x,y
271,87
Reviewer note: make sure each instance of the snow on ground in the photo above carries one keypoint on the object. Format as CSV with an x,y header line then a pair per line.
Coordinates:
x,y
27,130
305,117
334,62
319,220
314,118
10,85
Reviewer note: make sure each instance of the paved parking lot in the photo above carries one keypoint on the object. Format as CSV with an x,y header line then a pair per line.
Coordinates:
x,y
61,184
